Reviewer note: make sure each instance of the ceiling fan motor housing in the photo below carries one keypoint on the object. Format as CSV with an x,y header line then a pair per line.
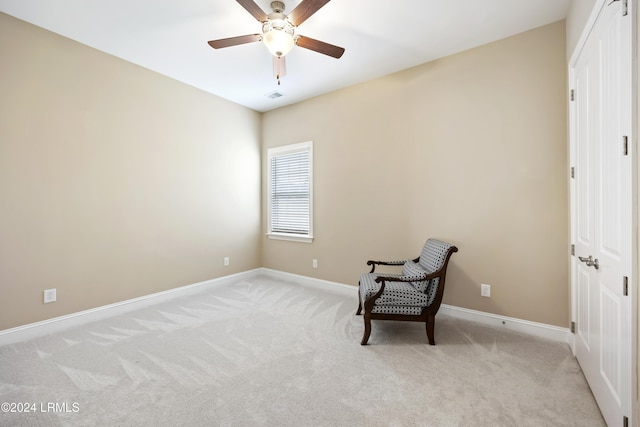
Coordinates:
x,y
277,6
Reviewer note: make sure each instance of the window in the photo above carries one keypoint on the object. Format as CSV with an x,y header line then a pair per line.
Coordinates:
x,y
289,197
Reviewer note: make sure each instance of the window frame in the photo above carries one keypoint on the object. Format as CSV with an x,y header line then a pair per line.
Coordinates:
x,y
280,151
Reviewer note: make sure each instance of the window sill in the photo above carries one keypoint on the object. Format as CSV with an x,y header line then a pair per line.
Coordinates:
x,y
290,237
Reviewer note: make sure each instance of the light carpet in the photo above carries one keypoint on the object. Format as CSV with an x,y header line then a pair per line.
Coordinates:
x,y
266,352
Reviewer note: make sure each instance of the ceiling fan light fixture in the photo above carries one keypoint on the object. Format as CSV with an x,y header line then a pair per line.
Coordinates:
x,y
278,36
278,42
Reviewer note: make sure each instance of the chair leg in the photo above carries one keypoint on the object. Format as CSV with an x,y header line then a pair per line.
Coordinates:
x,y
359,301
367,329
431,320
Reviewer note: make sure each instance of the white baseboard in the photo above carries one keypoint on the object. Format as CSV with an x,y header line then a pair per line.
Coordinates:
x,y
45,327
542,330
56,324
307,281
555,333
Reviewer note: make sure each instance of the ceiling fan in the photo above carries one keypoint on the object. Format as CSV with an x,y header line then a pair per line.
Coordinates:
x,y
279,32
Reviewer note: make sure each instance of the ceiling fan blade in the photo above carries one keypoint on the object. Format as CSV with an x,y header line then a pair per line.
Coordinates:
x,y
304,10
234,41
320,47
253,9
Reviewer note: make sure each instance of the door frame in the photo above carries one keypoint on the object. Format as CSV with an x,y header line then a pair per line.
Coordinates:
x,y
633,147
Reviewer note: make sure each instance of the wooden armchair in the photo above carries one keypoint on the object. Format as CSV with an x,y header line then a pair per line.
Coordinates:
x,y
415,295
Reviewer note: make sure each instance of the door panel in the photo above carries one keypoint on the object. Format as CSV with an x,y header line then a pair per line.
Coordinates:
x,y
602,223
610,348
583,216
585,108
609,159
583,324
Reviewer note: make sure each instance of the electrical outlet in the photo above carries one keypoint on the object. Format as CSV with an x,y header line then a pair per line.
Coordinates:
x,y
225,261
315,263
49,295
485,290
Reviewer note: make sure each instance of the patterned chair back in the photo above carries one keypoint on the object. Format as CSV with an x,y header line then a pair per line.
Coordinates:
x,y
432,258
434,255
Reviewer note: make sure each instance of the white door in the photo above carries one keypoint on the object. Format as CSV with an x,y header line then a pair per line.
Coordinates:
x,y
602,211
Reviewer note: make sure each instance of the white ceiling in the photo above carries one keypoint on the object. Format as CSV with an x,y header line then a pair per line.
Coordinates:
x,y
380,37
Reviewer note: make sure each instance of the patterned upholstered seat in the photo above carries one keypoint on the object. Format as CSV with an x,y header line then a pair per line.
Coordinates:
x,y
400,297
415,295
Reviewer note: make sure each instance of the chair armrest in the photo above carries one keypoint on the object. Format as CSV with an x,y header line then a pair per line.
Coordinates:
x,y
373,263
414,278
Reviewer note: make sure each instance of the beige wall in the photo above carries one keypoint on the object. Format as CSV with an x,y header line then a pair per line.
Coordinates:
x,y
471,149
115,182
577,17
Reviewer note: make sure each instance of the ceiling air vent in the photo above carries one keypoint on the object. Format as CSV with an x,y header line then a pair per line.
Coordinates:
x,y
274,95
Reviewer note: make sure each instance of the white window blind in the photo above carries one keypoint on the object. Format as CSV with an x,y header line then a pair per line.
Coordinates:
x,y
290,189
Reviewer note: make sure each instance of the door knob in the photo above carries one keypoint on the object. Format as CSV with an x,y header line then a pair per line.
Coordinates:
x,y
590,261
